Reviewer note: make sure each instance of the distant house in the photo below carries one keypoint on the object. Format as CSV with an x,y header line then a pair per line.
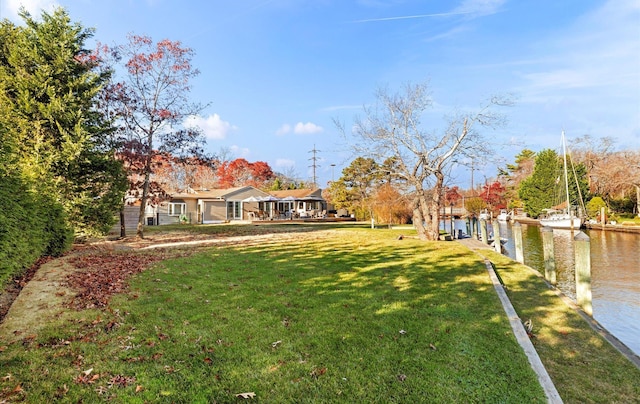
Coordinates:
x,y
212,206
301,202
239,204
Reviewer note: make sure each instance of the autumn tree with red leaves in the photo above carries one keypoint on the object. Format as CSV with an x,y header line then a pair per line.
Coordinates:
x,y
452,195
240,172
148,104
493,195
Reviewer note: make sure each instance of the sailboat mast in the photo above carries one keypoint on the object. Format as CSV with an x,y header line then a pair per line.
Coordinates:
x,y
566,178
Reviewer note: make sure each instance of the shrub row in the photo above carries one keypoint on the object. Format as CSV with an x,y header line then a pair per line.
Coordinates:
x,y
32,225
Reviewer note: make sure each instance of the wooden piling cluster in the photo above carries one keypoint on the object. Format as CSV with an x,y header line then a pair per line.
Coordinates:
x,y
582,257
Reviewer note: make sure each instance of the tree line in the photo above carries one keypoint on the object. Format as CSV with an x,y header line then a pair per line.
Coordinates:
x,y
602,176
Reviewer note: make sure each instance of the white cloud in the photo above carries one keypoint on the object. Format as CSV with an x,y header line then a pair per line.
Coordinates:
x,y
283,130
285,163
299,129
307,128
212,126
600,50
34,7
593,61
585,76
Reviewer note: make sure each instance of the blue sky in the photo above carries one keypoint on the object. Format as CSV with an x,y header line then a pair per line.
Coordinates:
x,y
276,73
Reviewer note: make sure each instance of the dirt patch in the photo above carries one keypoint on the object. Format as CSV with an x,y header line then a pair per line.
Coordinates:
x,y
13,289
39,300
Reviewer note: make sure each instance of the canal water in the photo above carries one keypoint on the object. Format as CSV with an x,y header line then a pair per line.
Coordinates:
x,y
615,273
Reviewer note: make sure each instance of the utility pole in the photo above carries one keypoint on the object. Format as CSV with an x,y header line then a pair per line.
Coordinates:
x,y
473,191
314,164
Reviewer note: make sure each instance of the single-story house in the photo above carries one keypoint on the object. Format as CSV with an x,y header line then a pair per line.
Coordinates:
x,y
239,204
211,206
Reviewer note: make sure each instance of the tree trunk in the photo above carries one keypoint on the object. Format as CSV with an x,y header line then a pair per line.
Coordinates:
x,y
433,206
145,195
123,228
418,218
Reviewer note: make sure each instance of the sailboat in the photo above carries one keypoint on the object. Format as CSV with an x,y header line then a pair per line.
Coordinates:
x,y
565,218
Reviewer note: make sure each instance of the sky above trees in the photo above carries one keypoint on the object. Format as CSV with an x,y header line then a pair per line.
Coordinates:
x,y
276,73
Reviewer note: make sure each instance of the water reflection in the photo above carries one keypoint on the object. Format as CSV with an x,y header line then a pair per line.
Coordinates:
x,y
615,273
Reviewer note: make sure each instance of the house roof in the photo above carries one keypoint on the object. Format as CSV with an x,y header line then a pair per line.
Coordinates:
x,y
297,193
221,193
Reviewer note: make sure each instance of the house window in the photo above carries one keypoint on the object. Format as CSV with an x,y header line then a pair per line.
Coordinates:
x,y
177,209
234,210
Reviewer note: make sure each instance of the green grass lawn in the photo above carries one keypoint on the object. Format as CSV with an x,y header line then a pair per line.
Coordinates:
x,y
352,315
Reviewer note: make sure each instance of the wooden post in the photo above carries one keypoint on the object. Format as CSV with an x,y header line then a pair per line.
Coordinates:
x,y
483,231
474,232
497,241
603,217
549,257
583,272
517,240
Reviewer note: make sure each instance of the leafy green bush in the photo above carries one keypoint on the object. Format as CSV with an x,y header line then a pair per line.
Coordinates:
x,y
594,206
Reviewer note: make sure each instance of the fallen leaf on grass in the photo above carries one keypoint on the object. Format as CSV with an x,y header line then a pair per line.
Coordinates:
x,y
275,344
7,377
170,369
246,395
121,381
402,377
432,347
318,372
139,388
85,379
62,391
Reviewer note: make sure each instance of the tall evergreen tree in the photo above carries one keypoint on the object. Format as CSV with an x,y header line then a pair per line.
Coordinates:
x,y
537,191
48,88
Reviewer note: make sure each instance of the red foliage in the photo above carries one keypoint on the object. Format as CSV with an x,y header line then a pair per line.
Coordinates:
x,y
452,195
240,172
493,195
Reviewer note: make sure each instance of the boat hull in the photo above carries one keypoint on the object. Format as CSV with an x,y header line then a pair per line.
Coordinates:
x,y
562,222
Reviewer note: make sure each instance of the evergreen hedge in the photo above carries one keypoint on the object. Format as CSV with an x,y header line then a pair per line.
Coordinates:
x,y
32,225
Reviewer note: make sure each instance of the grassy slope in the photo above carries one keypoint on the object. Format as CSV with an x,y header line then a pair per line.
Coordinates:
x,y
318,319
